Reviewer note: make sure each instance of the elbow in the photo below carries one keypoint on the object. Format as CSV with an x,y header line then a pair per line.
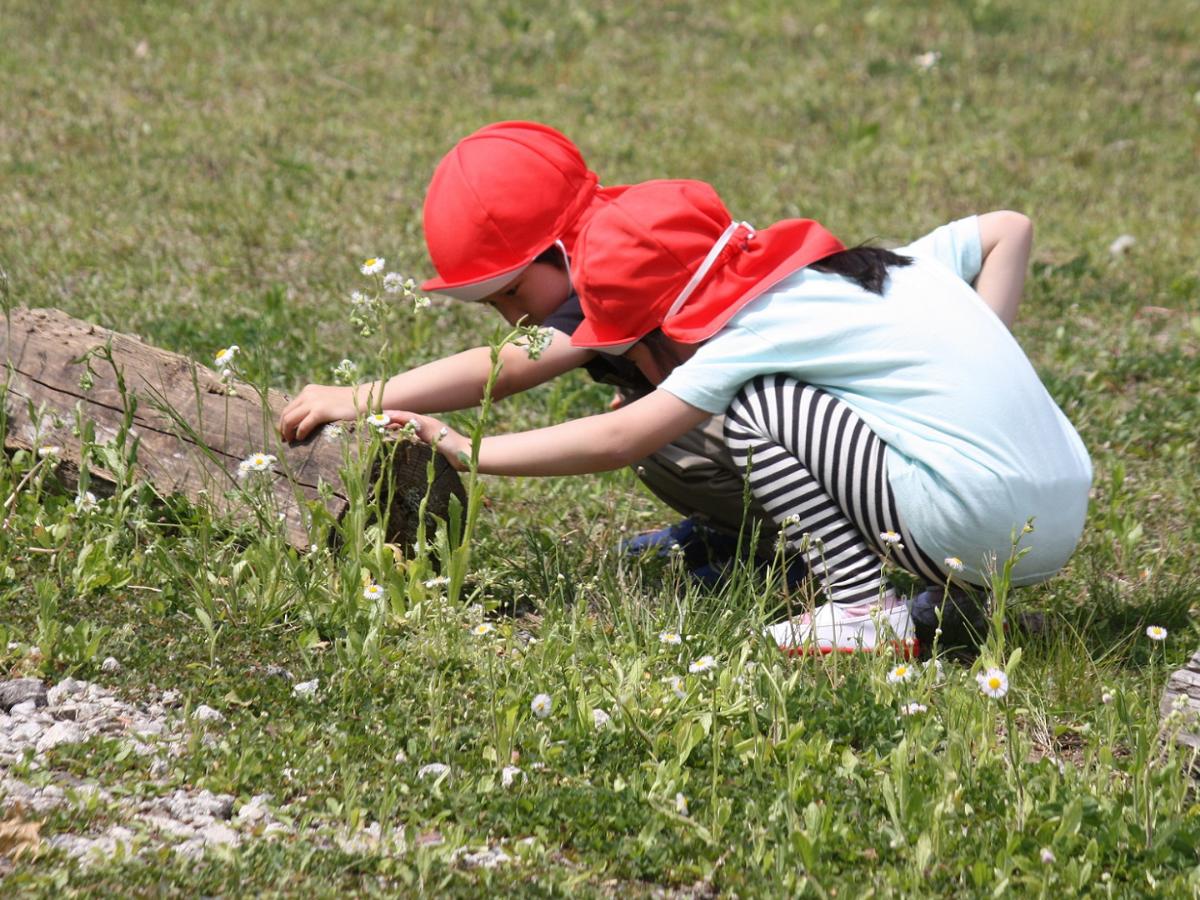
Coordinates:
x,y
619,447
1016,226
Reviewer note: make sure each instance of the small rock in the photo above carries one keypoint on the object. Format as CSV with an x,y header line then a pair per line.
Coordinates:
x,y
205,713
61,733
26,733
171,698
306,688
218,833
111,665
433,770
250,813
487,858
158,768
1121,245
600,718
27,709
279,672
64,690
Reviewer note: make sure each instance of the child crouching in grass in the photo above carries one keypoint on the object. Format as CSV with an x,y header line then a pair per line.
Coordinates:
x,y
879,405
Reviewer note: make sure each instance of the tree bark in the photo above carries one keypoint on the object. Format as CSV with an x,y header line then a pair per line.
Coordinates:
x,y
192,429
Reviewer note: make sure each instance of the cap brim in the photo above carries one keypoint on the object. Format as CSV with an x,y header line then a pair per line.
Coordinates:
x,y
585,338
475,290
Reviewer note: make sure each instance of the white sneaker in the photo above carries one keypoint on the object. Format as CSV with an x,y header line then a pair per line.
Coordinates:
x,y
831,629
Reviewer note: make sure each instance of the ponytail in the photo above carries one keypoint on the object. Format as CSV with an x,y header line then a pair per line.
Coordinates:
x,y
865,266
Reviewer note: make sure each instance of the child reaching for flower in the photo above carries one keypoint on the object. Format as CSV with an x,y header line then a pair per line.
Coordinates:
x,y
879,405
502,213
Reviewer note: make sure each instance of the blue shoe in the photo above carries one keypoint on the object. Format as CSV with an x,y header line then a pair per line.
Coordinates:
x,y
708,553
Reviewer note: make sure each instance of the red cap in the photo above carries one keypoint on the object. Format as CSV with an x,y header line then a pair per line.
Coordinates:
x,y
499,198
667,253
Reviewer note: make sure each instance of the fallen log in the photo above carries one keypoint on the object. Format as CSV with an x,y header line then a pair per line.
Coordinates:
x,y
1182,695
193,429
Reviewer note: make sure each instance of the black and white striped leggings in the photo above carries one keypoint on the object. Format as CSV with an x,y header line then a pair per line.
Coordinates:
x,y
818,470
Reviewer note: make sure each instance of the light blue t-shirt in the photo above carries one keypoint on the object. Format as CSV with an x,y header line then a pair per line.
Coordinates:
x,y
975,444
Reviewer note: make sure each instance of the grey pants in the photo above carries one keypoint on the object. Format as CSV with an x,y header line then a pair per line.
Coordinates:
x,y
696,476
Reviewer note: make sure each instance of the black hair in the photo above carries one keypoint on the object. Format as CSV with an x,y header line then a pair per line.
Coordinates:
x,y
554,256
865,266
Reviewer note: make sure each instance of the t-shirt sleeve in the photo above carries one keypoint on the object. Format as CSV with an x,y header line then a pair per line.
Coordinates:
x,y
955,245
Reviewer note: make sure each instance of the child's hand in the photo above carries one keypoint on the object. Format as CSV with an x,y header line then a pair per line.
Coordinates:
x,y
452,445
313,407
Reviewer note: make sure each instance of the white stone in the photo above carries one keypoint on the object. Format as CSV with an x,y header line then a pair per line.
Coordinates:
x,y
61,733
171,697
64,690
25,710
433,770
111,665
306,688
218,833
205,713
26,733
1122,245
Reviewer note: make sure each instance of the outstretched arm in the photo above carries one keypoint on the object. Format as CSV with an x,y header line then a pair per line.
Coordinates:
x,y
594,444
1006,238
454,382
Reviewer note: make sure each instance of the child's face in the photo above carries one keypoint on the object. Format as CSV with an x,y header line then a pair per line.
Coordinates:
x,y
538,291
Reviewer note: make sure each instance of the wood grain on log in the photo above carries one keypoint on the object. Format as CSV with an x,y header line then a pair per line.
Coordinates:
x,y
192,429
1183,693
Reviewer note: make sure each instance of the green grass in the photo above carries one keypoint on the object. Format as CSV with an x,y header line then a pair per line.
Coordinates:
x,y
220,184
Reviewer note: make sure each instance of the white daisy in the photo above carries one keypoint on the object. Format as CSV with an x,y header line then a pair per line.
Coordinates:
x,y
681,805
483,628
358,298
601,719
670,637
509,774
1106,698
379,420
436,770
889,537
438,581
373,592
1047,856
541,705
926,61
50,450
900,673
85,502
372,266
678,687
993,682
393,282
257,462
913,708
705,663
1156,633
953,563
224,357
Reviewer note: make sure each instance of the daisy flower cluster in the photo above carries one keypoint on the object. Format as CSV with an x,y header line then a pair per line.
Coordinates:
x,y
367,309
345,372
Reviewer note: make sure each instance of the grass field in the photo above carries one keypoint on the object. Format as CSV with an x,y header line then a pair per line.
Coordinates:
x,y
211,173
